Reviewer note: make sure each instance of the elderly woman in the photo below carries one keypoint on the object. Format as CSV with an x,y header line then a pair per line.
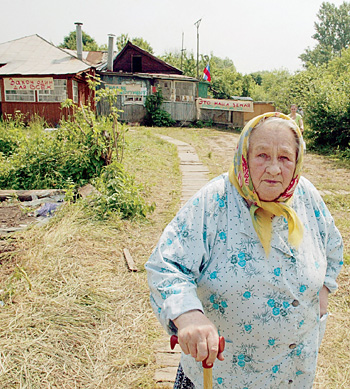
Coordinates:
x,y
251,257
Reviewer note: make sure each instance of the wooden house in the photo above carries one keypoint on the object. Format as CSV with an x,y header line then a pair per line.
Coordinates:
x,y
36,77
135,73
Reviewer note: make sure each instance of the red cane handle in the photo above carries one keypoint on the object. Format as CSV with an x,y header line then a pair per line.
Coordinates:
x,y
174,341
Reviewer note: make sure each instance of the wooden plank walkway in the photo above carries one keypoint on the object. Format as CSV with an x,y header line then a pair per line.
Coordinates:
x,y
194,176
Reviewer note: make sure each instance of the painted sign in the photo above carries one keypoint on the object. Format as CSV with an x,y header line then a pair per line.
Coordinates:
x,y
29,83
129,89
227,105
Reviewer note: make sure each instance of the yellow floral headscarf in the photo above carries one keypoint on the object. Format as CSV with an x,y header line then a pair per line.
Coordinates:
x,y
261,212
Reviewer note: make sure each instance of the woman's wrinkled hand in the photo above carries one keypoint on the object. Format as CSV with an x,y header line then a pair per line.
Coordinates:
x,y
324,292
198,336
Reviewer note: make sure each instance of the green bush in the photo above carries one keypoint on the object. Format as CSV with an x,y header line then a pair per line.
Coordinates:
x,y
12,133
119,194
48,160
36,159
328,114
155,115
70,157
84,149
10,139
161,118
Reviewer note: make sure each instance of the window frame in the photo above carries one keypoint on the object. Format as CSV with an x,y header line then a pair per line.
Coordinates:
x,y
58,94
75,86
19,93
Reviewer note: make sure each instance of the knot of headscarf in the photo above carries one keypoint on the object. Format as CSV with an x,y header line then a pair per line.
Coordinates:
x,y
262,212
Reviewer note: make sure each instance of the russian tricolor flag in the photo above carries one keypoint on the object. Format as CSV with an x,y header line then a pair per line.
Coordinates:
x,y
206,73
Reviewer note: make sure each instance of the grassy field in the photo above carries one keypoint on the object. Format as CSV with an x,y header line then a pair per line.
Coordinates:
x,y
75,317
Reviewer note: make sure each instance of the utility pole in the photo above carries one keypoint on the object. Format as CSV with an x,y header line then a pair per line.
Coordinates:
x,y
182,49
198,22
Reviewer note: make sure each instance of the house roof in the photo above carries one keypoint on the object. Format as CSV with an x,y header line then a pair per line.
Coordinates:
x,y
170,69
33,55
94,58
161,76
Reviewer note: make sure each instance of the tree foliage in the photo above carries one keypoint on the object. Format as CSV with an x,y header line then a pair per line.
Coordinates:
x,y
226,81
333,28
328,104
332,34
123,39
185,62
316,57
89,43
274,86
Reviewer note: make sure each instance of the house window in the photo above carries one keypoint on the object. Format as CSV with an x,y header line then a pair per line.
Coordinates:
x,y
167,90
131,99
20,95
137,64
57,95
184,91
75,92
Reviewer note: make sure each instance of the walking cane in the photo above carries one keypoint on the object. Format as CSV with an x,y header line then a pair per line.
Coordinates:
x,y
207,369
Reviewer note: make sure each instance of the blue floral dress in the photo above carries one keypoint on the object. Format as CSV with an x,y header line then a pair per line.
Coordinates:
x,y
210,258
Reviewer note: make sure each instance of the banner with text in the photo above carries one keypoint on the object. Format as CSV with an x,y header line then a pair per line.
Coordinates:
x,y
228,105
29,83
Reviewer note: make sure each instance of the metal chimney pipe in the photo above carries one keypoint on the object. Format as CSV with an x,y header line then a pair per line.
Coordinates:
x,y
110,52
79,37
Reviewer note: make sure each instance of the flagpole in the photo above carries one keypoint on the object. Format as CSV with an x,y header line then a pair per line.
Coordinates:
x,y
198,22
182,49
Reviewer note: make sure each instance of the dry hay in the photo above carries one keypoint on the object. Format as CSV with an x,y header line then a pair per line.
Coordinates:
x,y
333,370
83,321
86,321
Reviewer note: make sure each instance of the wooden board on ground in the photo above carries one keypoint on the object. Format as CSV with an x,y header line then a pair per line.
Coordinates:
x,y
129,260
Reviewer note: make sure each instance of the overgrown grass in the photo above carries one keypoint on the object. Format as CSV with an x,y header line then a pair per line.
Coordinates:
x,y
86,321
218,158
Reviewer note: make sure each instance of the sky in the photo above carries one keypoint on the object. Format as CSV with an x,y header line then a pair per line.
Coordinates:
x,y
256,35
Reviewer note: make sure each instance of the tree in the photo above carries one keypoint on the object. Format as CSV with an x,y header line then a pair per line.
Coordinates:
x,y
189,63
302,84
332,34
318,56
333,29
325,94
257,77
226,81
143,44
274,87
248,83
70,42
123,39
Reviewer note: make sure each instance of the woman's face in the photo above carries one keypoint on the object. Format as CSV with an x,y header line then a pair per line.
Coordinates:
x,y
293,109
272,160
